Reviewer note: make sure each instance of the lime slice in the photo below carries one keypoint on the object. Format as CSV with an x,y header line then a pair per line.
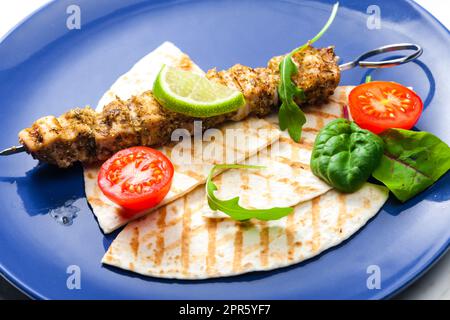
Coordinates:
x,y
194,95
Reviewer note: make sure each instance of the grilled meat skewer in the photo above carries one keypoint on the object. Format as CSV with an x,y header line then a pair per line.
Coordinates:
x,y
84,135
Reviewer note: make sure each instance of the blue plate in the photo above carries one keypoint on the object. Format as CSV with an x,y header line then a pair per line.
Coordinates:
x,y
46,69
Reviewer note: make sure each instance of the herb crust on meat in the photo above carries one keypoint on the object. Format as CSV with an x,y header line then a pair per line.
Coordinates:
x,y
83,135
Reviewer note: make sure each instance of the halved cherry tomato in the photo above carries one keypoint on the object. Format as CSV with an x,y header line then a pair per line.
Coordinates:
x,y
380,105
136,178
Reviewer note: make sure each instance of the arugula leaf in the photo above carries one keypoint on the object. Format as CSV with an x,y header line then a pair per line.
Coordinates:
x,y
412,162
232,208
291,117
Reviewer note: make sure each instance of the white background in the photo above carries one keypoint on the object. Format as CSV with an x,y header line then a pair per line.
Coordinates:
x,y
434,285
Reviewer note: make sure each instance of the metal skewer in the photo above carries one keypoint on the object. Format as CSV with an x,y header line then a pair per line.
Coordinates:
x,y
359,62
12,150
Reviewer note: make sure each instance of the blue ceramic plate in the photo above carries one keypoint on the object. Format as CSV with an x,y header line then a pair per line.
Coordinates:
x,y
46,69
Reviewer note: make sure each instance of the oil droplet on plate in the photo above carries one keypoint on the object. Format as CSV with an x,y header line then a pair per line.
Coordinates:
x,y
65,214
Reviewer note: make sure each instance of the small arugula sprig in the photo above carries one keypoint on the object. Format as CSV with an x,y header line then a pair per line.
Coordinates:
x,y
232,208
290,116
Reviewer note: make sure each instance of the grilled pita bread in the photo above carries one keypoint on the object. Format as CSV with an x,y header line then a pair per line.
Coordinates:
x,y
186,240
249,136
141,76
287,179
177,241
284,160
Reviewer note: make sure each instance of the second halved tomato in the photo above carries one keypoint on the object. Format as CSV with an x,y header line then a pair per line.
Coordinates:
x,y
380,105
136,178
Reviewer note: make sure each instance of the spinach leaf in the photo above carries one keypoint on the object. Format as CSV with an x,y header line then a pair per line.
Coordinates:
x,y
232,208
345,155
412,161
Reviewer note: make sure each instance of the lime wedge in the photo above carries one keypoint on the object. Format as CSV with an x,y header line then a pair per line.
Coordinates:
x,y
193,95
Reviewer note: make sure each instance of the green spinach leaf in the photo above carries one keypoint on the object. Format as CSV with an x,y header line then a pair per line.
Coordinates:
x,y
412,161
345,155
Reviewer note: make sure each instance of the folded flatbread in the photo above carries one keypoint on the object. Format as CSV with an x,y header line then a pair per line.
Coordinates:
x,y
177,241
248,137
185,239
286,179
288,174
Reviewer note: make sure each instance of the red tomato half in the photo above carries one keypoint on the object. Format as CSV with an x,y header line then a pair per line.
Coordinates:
x,y
136,178
380,105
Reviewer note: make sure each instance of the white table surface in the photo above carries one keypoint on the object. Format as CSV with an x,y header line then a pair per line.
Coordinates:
x,y
435,284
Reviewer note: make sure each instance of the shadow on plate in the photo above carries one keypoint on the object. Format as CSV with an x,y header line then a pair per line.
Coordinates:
x,y
438,192
46,189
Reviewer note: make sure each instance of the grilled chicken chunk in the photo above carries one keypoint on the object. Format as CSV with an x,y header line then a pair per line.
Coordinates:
x,y
86,136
